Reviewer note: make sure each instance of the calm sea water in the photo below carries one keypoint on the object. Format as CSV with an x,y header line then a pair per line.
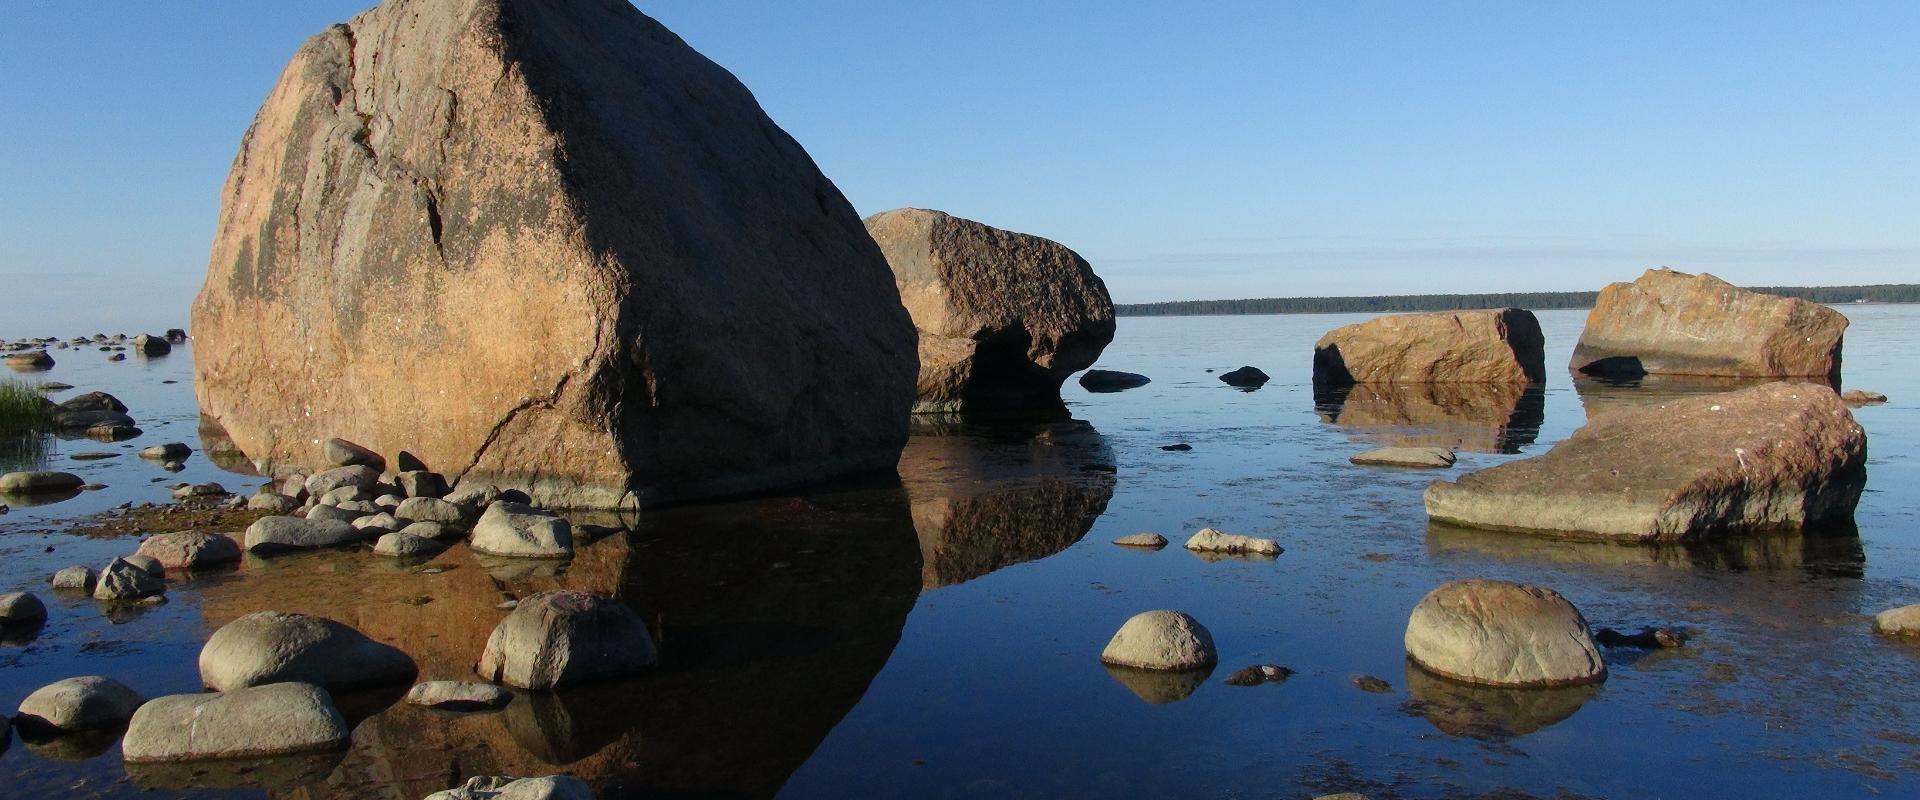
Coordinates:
x,y
940,637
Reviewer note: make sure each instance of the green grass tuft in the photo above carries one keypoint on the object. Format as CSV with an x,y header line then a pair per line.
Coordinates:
x,y
22,409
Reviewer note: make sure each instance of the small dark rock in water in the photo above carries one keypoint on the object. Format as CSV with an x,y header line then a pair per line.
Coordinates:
x,y
1646,639
1245,378
117,357
55,386
1256,675
1106,380
176,336
171,451
1368,683
93,456
173,466
1177,448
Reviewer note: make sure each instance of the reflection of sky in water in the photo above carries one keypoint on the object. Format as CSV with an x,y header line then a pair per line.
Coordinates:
x,y
941,637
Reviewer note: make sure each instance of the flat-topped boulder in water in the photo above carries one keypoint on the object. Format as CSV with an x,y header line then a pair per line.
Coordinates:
x,y
550,247
1003,317
1496,346
1780,456
1674,323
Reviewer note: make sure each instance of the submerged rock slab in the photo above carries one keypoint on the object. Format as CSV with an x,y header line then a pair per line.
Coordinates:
x,y
1781,456
1495,346
550,246
1003,317
1669,322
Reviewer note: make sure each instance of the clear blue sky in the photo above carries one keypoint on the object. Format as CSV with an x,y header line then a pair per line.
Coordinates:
x,y
1224,149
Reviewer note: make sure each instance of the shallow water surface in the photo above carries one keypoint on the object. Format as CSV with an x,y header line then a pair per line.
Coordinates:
x,y
939,637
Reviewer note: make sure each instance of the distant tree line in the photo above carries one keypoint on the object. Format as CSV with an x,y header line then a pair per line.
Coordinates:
x,y
1536,301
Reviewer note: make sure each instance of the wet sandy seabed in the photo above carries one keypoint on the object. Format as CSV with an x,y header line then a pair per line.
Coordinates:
x,y
939,637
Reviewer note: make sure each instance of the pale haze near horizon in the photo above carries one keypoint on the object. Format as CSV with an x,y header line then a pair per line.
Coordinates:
x,y
1225,151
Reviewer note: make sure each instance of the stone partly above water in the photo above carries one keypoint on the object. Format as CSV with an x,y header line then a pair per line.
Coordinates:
x,y
33,482
79,704
1497,346
271,647
278,719
559,638
1209,540
1776,456
1669,322
1003,317
1161,640
678,304
1106,380
1902,621
1503,634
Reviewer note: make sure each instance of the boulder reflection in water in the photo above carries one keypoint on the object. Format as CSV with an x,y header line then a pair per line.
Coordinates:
x,y
987,495
1473,417
1599,395
1489,713
1834,551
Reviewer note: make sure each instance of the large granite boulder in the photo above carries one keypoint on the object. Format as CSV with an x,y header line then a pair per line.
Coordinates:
x,y
275,720
1003,317
1675,323
562,638
1774,456
1503,634
273,647
1498,346
552,247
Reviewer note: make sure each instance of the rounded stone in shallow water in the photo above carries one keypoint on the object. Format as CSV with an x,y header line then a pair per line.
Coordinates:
x,y
1902,621
407,545
558,638
21,607
277,719
1498,633
1161,640
41,481
77,704
190,549
272,647
1149,540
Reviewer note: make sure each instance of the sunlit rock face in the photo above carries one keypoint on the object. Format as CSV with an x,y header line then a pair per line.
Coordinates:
x,y
986,496
1781,456
1668,322
1472,417
550,246
1003,317
771,618
1492,346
